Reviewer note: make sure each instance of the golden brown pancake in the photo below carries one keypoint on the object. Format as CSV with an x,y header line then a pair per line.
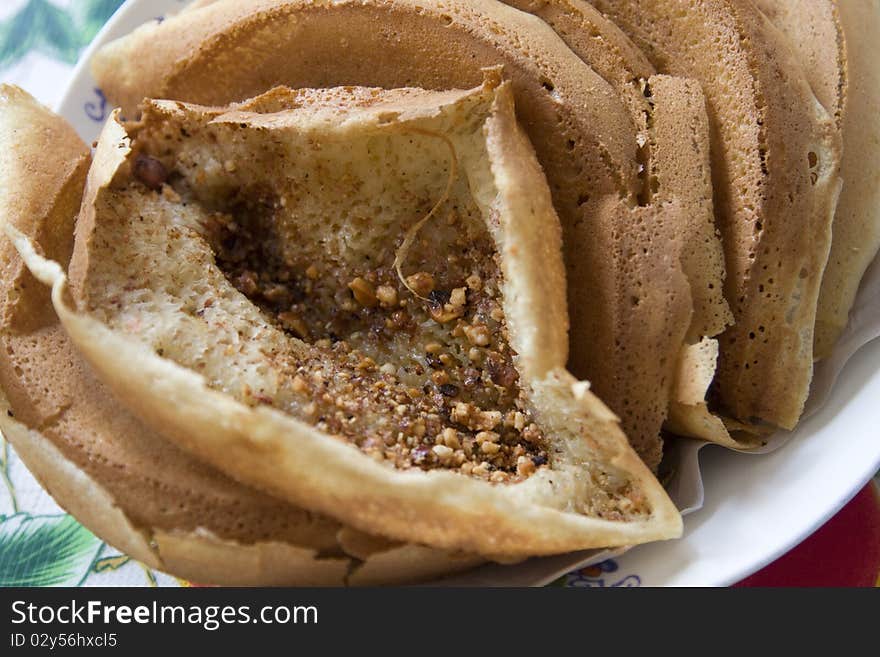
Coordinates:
x,y
775,164
131,487
326,399
599,43
584,137
837,44
670,116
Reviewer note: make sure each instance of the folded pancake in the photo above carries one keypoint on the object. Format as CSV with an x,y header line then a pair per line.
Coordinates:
x,y
134,489
681,168
669,115
837,44
775,165
354,299
599,43
628,315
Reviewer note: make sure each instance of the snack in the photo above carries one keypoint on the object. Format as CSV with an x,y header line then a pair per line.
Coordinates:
x,y
629,300
775,171
837,44
669,114
319,274
227,298
123,481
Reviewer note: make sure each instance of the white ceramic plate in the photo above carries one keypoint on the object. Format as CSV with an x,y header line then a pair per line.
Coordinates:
x,y
756,507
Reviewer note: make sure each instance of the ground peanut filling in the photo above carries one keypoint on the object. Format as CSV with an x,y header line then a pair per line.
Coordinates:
x,y
416,374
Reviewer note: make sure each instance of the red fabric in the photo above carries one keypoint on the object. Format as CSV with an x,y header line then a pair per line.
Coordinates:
x,y
843,552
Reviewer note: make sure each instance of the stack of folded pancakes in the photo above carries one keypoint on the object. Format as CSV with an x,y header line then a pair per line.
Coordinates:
x,y
372,291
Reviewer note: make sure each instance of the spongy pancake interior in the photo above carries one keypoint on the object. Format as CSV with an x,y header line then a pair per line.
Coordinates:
x,y
348,278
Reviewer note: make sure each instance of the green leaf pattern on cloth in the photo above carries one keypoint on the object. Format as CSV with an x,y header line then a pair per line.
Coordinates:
x,y
45,550
90,16
40,545
42,26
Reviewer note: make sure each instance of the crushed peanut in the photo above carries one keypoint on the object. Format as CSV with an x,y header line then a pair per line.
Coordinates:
x,y
481,470
474,418
525,466
446,313
363,292
486,437
474,282
420,376
478,336
449,436
458,297
490,448
294,323
421,283
387,296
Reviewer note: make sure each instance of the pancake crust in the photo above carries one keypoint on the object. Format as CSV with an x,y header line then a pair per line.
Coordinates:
x,y
599,43
584,137
838,46
775,165
670,117
123,481
593,491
